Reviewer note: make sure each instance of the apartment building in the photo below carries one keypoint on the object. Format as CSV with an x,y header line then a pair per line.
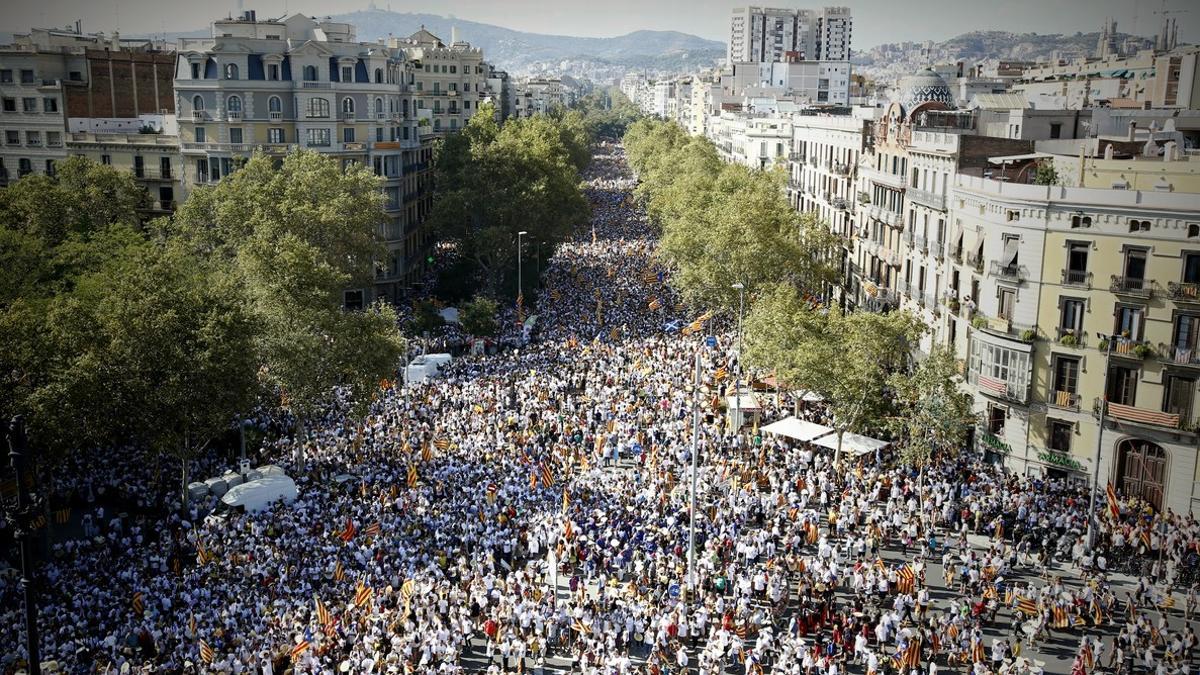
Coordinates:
x,y
52,80
149,151
758,34
450,81
756,140
277,85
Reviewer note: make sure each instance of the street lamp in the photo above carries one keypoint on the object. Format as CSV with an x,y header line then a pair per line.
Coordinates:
x,y
1091,530
21,519
737,386
520,234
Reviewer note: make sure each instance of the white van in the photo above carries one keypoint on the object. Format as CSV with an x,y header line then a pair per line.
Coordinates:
x,y
257,495
425,366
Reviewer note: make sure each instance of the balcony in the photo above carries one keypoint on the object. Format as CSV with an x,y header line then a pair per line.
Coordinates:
x,y
152,173
1181,356
348,116
315,85
1135,286
929,199
840,204
1013,273
889,218
1143,416
1063,399
1071,338
1133,349
1184,292
840,169
975,260
275,115
797,157
233,115
1080,278
883,178
165,207
199,116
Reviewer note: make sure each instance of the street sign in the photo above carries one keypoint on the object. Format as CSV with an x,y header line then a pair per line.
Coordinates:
x,y
673,591
711,340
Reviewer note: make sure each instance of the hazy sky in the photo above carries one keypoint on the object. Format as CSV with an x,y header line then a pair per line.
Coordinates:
x,y
875,21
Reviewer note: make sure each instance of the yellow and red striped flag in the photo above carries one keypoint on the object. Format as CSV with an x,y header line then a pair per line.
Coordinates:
x,y
412,476
1111,494
301,647
206,652
138,602
363,595
349,531
374,529
426,453
547,475
322,613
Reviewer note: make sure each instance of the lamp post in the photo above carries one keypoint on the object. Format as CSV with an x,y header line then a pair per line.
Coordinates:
x,y
520,234
1091,529
21,520
692,498
737,385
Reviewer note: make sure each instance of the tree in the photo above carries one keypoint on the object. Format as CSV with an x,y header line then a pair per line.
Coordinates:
x,y
426,318
846,358
932,413
1046,174
495,182
295,237
478,317
607,113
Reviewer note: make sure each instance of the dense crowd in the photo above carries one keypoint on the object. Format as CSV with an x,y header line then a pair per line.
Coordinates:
x,y
531,508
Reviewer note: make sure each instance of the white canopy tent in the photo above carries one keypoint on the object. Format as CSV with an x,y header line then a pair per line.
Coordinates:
x,y
854,444
800,430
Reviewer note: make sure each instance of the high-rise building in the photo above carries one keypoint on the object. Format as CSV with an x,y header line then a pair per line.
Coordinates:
x,y
277,85
765,34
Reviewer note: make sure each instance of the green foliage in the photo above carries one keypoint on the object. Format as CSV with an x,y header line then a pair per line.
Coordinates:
x,y
724,223
846,358
1046,174
83,198
426,318
933,414
294,238
494,182
607,113
478,317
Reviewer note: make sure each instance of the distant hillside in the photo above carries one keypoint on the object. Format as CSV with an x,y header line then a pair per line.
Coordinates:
x,y
519,51
981,46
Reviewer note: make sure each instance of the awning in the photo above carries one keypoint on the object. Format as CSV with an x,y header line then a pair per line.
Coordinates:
x,y
1009,159
746,400
800,430
1009,256
808,396
852,443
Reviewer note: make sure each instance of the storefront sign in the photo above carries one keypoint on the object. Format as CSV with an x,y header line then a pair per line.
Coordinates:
x,y
1058,459
994,443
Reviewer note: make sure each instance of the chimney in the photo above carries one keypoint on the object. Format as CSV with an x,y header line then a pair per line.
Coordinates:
x,y
1132,130
78,27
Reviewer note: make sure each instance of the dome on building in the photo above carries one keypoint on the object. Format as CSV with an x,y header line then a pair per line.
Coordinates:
x,y
923,87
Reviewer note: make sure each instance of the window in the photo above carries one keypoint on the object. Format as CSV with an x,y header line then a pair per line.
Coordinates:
x,y
234,104
1178,396
347,73
275,135
1060,435
50,105
1186,328
202,171
348,135
235,135
1000,370
1012,215
29,105
106,160
24,166
231,71
1135,268
1122,385
1081,221
348,106
272,71
379,76
275,105
164,166
1130,321
10,105
1071,316
310,73
195,71
318,138
1193,230
12,137
318,107
1139,225
139,166
33,138
26,76
1055,130
197,103
996,416
454,69
1077,262
75,76
6,76
200,135
50,167
1007,300
1066,375
1191,268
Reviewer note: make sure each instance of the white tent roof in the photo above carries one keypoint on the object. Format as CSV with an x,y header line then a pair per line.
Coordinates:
x,y
808,396
794,427
852,443
746,400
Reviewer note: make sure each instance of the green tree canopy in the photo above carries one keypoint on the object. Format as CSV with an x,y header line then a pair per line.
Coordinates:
x,y
478,317
932,413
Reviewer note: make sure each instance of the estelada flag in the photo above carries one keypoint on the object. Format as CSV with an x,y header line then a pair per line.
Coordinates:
x,y
1026,606
412,476
301,647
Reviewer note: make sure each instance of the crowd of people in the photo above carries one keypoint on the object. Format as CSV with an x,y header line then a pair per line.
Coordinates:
x,y
531,510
